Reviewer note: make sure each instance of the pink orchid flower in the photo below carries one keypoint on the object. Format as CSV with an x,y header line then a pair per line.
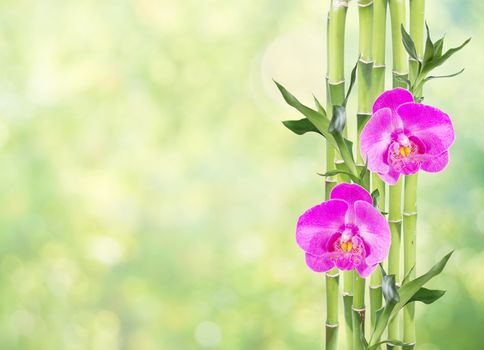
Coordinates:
x,y
345,231
403,137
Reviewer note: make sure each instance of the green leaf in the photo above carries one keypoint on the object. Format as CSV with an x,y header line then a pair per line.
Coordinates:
x,y
352,83
429,48
319,120
438,61
319,107
300,126
438,47
338,121
443,76
375,197
338,172
389,289
408,290
364,170
407,276
402,78
408,43
427,296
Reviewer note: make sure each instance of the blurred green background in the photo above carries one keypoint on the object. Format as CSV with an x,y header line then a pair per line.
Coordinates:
x,y
149,193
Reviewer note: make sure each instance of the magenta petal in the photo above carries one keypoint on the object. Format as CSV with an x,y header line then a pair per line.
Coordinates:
x,y
322,220
392,99
364,270
350,193
374,230
391,177
434,164
432,126
376,137
319,263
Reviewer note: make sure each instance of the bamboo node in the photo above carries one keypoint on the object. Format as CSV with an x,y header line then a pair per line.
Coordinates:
x,y
334,83
395,221
329,325
332,276
410,214
377,286
347,294
365,5
358,310
340,3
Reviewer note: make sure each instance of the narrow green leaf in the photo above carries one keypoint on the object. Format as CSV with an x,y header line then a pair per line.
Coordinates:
x,y
402,79
300,126
319,107
407,276
408,43
375,197
443,76
337,172
439,47
408,290
438,61
318,120
429,48
352,83
427,296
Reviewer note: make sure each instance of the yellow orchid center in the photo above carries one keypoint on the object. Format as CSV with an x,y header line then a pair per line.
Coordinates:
x,y
346,246
405,151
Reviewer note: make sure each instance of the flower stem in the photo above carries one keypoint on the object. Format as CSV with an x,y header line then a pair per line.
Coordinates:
x,y
417,21
400,68
335,95
378,85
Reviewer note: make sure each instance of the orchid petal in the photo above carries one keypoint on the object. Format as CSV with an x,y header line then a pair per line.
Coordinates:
x,y
432,126
322,220
434,164
376,137
374,230
392,99
319,263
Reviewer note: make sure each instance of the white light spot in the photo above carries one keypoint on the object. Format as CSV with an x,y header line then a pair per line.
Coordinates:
x,y
208,334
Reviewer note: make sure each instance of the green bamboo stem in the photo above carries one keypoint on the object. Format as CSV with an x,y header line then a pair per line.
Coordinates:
x,y
417,22
395,222
400,67
358,311
348,304
378,85
365,101
335,95
400,57
409,248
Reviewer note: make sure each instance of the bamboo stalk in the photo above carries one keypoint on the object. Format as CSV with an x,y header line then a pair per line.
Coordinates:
x,y
400,68
378,85
417,21
358,311
365,100
335,95
409,248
